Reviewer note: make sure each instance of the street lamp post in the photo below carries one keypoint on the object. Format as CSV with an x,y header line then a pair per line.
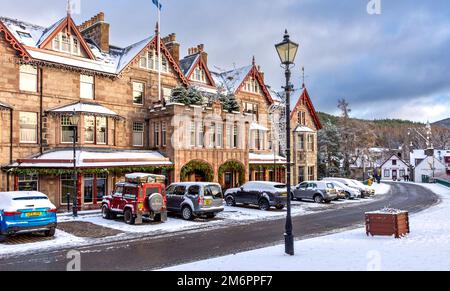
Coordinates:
x,y
74,118
287,51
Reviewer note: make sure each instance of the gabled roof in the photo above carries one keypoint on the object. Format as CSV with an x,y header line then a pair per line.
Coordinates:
x,y
394,155
29,39
304,98
189,63
233,80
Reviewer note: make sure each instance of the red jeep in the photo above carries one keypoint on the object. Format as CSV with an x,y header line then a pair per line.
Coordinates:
x,y
141,195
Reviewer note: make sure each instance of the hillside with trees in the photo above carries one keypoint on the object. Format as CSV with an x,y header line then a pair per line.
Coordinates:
x,y
345,140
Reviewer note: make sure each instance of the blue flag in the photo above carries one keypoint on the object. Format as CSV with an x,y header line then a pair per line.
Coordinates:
x,y
157,3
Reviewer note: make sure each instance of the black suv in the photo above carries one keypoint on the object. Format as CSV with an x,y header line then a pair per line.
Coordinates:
x,y
262,194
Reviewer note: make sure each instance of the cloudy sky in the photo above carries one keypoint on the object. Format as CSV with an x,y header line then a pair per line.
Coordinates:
x,y
392,65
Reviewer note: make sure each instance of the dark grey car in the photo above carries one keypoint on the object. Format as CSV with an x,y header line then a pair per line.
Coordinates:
x,y
195,199
319,191
263,194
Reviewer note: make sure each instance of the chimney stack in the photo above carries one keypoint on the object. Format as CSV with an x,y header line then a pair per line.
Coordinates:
x,y
199,49
97,30
173,46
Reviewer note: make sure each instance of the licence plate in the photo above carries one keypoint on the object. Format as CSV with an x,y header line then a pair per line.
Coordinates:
x,y
33,214
284,195
208,202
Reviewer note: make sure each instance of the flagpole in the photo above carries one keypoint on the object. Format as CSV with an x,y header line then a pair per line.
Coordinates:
x,y
159,51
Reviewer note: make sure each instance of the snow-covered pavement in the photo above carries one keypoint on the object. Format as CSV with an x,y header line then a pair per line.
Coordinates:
x,y
426,248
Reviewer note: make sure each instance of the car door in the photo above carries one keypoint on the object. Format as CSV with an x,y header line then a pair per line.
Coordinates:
x,y
178,197
300,192
310,191
117,196
240,196
170,193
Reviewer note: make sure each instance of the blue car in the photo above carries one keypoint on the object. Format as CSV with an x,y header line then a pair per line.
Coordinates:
x,y
24,212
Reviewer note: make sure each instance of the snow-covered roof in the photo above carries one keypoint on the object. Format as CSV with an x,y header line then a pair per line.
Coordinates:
x,y
32,36
94,159
85,108
261,159
231,80
301,128
187,64
256,126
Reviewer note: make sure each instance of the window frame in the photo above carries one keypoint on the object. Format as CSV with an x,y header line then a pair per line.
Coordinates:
x,y
134,90
35,129
136,131
84,82
30,71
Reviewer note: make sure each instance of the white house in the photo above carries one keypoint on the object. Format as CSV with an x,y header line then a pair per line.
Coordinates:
x,y
428,167
394,169
417,156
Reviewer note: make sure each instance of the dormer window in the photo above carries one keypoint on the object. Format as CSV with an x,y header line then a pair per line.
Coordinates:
x,y
199,75
251,85
23,34
66,43
149,61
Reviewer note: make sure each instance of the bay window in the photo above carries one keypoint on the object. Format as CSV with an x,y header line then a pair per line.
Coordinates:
x,y
101,124
95,130
66,130
156,134
201,135
89,129
219,141
301,142
192,134
164,134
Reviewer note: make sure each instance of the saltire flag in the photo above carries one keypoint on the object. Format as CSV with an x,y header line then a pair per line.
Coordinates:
x,y
157,3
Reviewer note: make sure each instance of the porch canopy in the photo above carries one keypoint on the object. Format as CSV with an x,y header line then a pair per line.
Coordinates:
x,y
301,128
85,108
85,159
256,126
4,106
266,159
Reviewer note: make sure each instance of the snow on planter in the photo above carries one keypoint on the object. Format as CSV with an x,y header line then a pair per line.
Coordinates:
x,y
387,222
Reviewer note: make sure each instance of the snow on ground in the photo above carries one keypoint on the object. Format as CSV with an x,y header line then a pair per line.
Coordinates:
x,y
381,189
426,248
61,239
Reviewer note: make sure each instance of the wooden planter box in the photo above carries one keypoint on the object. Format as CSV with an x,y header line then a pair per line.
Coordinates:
x,y
387,223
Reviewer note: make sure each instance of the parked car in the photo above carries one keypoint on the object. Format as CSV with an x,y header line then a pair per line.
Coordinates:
x,y
318,191
25,212
262,194
349,183
195,199
350,193
140,196
369,191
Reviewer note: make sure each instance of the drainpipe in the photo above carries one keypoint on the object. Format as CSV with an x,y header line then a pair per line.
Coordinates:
x,y
11,146
41,109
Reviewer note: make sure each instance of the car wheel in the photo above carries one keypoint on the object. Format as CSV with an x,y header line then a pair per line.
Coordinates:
x,y
264,204
318,199
230,201
2,238
347,196
129,217
106,213
186,212
50,232
279,207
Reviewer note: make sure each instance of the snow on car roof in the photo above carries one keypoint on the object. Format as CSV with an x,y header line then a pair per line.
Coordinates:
x,y
20,194
195,183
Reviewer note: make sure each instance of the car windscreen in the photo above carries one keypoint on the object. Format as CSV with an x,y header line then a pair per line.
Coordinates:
x,y
29,198
214,191
280,186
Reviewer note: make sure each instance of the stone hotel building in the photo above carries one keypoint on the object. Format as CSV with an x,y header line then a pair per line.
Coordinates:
x,y
55,78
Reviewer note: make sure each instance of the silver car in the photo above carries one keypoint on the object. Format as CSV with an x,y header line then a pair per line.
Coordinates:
x,y
195,199
318,191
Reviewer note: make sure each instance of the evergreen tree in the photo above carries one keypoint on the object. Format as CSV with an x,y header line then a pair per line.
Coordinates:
x,y
229,103
180,95
194,96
